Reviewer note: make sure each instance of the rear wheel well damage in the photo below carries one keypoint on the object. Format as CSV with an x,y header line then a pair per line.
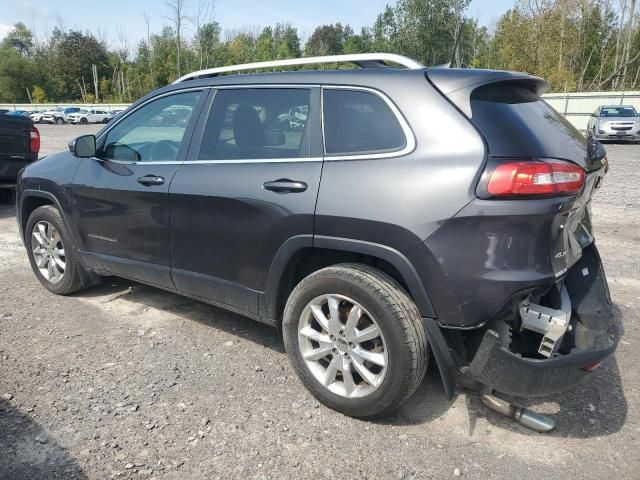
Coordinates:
x,y
308,260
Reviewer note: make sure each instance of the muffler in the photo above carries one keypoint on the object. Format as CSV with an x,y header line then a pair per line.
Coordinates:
x,y
523,416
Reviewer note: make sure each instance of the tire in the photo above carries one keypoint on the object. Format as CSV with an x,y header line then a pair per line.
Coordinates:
x,y
74,276
84,121
384,304
7,196
59,121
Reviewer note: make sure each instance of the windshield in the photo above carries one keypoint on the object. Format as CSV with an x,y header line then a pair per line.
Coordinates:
x,y
618,112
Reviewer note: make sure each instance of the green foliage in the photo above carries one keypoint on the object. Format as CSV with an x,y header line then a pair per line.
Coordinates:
x,y
38,95
575,44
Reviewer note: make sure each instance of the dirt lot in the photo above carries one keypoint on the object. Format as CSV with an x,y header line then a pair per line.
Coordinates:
x,y
126,381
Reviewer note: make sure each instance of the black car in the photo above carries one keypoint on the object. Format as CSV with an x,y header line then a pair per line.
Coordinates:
x,y
19,146
413,211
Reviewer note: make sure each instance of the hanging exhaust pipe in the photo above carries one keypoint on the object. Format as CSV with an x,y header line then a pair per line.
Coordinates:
x,y
523,416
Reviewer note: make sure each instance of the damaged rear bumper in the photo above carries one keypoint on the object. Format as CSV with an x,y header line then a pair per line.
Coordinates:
x,y
594,336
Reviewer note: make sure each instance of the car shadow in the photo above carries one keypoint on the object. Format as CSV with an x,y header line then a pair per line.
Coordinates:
x,y
29,452
209,315
595,408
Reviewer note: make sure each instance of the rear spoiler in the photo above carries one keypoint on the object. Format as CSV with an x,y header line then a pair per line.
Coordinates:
x,y
457,84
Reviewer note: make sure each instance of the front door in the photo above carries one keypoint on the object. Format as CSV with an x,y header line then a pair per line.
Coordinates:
x,y
121,200
251,185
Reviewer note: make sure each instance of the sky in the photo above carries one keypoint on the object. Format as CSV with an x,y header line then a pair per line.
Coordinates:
x,y
116,19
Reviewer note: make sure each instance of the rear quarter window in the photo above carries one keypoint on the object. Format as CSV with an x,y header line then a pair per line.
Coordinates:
x,y
517,122
358,123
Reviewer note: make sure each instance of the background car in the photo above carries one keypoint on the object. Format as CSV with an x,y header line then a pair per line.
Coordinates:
x,y
36,116
54,115
89,116
616,123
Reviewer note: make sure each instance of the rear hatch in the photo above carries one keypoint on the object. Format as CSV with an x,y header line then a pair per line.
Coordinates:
x,y
518,125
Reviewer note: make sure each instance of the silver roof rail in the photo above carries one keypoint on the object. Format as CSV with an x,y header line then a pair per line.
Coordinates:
x,y
363,60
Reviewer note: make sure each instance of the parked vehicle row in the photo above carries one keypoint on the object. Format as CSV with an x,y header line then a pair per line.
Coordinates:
x,y
61,115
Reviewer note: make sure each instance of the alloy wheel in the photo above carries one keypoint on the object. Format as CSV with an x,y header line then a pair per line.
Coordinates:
x,y
48,251
343,346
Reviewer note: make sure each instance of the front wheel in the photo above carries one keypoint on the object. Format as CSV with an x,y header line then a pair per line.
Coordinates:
x,y
355,339
53,259
59,121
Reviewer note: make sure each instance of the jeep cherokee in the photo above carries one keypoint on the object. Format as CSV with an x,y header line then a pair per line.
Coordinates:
x,y
409,214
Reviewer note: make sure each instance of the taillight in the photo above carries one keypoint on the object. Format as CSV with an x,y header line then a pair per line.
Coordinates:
x,y
534,178
34,136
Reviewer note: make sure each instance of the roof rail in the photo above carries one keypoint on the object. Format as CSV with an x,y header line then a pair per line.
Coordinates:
x,y
363,60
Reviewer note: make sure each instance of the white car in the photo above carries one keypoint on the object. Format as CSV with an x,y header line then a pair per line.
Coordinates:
x,y
90,116
36,117
55,115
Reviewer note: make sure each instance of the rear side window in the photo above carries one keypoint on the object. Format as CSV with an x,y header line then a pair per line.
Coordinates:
x,y
257,123
359,123
517,122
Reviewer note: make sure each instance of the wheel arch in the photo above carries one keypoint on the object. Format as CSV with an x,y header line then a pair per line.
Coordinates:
x,y
302,255
32,199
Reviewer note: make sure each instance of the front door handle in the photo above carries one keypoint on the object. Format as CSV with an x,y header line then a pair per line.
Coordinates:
x,y
284,185
150,180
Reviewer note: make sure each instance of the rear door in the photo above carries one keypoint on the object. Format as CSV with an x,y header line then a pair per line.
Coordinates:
x,y
250,184
120,197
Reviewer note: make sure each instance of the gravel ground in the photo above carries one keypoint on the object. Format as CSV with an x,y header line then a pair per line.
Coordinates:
x,y
126,381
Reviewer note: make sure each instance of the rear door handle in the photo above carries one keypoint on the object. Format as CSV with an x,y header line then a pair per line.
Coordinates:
x,y
150,180
284,185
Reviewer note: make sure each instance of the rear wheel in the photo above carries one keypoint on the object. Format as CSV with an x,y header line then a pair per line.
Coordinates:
x,y
59,121
51,254
355,339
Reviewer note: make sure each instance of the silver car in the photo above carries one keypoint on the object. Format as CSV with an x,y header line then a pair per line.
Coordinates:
x,y
616,123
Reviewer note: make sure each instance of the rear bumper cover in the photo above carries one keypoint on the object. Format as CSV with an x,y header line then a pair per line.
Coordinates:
x,y
594,337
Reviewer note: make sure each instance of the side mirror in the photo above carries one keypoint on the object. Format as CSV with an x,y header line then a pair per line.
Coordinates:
x,y
83,147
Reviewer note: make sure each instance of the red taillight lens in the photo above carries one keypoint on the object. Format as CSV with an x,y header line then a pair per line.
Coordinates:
x,y
34,136
534,177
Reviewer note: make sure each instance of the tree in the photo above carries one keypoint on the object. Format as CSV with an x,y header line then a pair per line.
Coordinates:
x,y
177,17
73,53
20,39
325,40
38,95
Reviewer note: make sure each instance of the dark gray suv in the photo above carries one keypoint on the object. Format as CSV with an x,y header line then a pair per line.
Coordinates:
x,y
406,214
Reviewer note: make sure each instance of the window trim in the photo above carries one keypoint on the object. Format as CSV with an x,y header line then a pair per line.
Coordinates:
x,y
410,139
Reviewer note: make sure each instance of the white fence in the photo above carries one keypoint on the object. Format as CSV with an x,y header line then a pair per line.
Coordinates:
x,y
577,107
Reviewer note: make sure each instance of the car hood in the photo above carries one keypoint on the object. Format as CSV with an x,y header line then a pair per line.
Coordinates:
x,y
620,119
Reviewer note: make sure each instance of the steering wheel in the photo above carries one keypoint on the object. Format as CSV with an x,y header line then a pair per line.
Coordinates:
x,y
163,150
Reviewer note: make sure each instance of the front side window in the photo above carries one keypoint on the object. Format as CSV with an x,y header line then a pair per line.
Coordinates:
x,y
257,123
358,122
154,132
